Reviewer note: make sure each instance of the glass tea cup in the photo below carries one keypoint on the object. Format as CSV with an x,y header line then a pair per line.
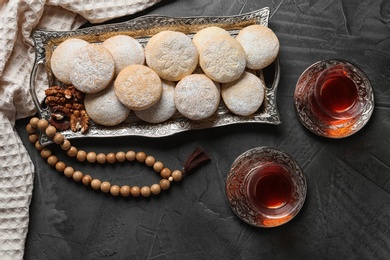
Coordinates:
x,y
265,187
334,98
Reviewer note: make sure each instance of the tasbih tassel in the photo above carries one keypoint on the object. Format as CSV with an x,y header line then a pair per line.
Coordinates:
x,y
197,158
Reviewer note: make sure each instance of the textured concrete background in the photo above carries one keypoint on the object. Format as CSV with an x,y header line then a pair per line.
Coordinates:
x,y
347,211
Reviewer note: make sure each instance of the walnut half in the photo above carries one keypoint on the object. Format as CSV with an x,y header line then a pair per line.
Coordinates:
x,y
79,121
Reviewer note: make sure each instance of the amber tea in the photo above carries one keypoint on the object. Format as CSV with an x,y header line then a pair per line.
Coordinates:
x,y
269,187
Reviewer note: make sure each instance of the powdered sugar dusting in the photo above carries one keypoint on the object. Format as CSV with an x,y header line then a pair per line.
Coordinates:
x,y
104,107
61,59
92,68
222,59
261,45
172,55
196,97
125,51
138,87
163,109
244,96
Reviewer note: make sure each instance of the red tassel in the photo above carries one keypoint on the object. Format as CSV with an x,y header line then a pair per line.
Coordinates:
x,y
197,158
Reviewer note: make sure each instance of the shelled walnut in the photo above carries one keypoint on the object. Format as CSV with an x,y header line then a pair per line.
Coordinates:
x,y
67,107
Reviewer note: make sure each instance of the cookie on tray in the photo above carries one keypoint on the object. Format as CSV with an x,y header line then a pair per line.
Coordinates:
x,y
244,96
92,68
261,45
61,62
196,97
125,50
172,55
104,107
163,109
222,59
205,34
138,87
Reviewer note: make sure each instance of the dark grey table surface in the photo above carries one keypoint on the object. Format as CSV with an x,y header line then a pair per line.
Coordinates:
x,y
347,211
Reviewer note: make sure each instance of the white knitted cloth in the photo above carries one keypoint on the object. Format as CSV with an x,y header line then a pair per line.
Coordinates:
x,y
17,19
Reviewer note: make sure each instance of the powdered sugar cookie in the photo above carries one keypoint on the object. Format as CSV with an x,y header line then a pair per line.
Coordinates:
x,y
104,107
163,109
172,55
244,96
125,50
61,61
138,87
205,34
222,59
92,68
261,45
196,97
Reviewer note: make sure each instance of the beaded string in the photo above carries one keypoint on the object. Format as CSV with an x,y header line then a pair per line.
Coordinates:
x,y
197,158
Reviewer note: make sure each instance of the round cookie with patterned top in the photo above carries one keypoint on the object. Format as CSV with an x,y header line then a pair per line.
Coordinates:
x,y
138,87
222,58
172,55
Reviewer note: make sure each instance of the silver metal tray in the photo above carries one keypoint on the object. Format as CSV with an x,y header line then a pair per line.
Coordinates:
x,y
142,29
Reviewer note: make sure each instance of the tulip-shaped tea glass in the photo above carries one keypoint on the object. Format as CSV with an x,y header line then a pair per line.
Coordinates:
x,y
265,187
334,98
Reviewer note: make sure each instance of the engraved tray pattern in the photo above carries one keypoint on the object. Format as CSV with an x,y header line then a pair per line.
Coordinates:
x,y
142,29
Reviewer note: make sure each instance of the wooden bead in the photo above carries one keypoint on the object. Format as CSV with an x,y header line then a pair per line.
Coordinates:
x,y
114,190
30,129
68,172
111,158
50,131
60,166
58,138
158,166
165,173
91,157
130,156
81,156
140,156
33,138
101,158
95,184
155,189
120,156
38,146
177,175
145,191
77,176
45,153
150,160
86,180
165,184
42,124
52,160
65,145
105,186
125,191
34,122
72,152
135,191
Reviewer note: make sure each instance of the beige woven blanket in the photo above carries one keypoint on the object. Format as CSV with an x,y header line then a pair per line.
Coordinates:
x,y
17,20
